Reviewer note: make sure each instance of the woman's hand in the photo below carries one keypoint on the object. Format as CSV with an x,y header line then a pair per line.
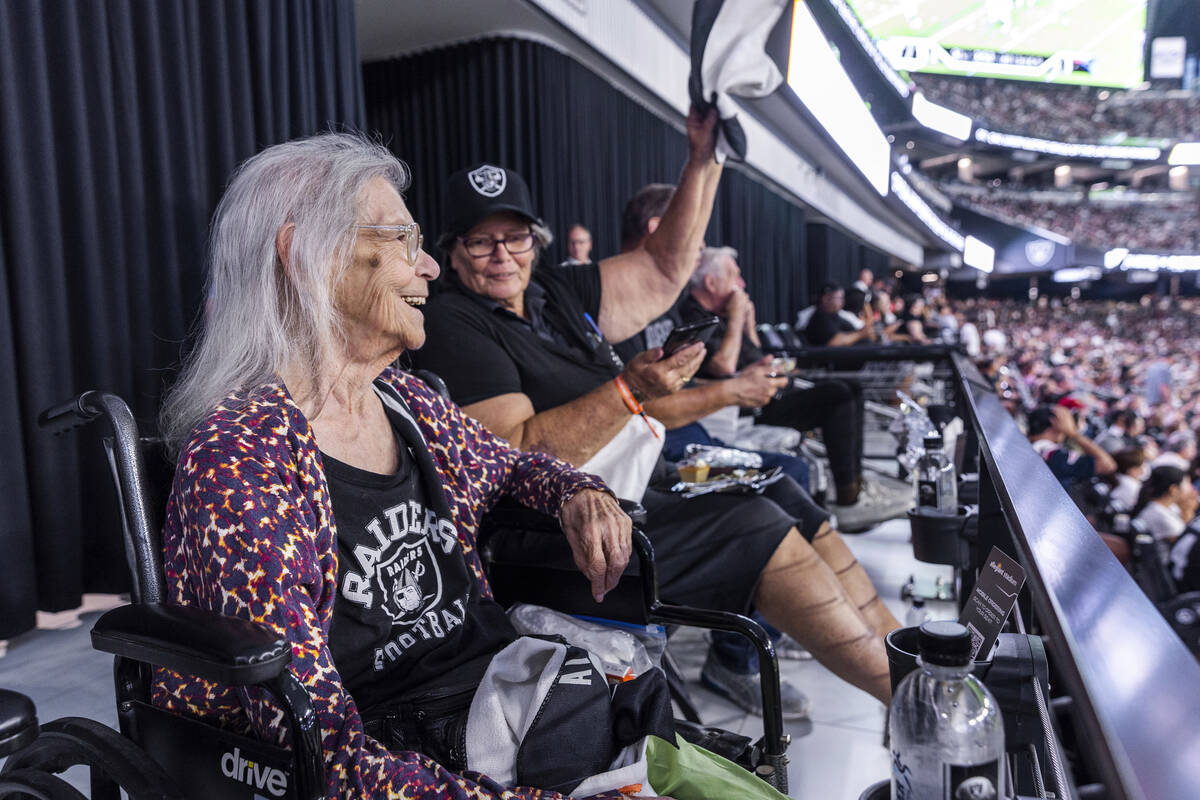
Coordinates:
x,y
601,538
702,133
650,376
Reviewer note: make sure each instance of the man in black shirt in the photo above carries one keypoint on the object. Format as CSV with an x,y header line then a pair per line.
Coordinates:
x,y
828,326
836,407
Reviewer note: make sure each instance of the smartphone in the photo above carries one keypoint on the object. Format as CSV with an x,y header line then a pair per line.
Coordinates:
x,y
685,335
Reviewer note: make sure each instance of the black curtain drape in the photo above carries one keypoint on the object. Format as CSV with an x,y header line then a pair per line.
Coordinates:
x,y
120,122
834,255
583,146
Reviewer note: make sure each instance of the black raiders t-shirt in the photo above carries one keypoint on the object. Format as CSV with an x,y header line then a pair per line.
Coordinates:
x,y
482,350
409,610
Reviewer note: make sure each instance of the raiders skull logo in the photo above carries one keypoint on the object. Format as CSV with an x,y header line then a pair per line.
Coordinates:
x,y
489,181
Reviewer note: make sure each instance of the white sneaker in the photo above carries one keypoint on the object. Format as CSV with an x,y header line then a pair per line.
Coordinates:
x,y
876,503
789,648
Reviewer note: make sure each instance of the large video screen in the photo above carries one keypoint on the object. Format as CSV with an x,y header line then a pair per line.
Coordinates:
x,y
1092,42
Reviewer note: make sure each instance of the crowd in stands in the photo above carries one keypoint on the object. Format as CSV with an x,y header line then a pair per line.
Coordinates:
x,y
1168,225
1067,113
1111,392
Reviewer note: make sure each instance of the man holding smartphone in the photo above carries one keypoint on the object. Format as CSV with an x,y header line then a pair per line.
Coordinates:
x,y
747,377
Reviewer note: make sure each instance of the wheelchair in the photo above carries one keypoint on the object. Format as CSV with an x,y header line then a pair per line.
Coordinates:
x,y
37,752
214,764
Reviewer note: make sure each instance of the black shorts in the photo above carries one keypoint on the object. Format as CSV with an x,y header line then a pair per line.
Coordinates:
x,y
711,550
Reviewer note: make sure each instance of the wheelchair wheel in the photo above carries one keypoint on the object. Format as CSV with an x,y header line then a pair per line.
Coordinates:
x,y
26,783
113,760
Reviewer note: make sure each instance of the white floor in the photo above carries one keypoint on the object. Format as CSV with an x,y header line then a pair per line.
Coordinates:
x,y
835,756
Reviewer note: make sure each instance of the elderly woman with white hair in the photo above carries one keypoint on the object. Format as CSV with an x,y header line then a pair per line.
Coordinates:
x,y
322,492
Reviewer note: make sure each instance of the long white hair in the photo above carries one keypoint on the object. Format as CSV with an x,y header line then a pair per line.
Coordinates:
x,y
260,319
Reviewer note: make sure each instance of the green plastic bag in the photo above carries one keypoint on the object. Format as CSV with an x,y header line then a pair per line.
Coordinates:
x,y
693,773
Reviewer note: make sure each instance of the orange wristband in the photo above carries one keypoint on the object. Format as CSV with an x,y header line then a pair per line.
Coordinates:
x,y
632,403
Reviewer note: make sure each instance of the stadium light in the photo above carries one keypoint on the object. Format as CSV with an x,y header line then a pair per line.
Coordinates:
x,y
1068,149
868,44
1076,274
978,254
1114,257
917,205
1151,262
941,119
1185,154
817,78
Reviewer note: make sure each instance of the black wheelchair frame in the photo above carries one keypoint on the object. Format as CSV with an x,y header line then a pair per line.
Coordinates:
x,y
150,633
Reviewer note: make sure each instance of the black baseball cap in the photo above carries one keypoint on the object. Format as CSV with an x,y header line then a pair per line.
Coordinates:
x,y
478,192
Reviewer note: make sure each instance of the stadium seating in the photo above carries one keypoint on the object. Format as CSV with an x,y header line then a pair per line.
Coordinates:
x,y
1163,224
1067,113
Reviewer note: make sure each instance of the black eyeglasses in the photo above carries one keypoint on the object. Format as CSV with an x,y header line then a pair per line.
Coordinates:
x,y
409,234
514,243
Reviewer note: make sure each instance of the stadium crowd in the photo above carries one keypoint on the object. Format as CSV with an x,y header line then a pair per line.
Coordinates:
x,y
1109,394
1067,113
1169,225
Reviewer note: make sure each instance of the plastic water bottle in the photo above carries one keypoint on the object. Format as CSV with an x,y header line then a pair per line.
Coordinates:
x,y
917,613
937,486
945,730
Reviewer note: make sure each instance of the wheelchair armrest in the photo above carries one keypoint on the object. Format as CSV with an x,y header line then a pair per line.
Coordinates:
x,y
509,513
194,641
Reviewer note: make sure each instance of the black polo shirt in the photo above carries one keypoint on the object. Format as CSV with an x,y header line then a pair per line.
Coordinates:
x,y
482,350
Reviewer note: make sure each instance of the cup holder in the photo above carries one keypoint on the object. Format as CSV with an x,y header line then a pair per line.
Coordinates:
x,y
902,650
940,538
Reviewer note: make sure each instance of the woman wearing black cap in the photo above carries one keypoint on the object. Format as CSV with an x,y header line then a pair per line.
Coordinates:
x,y
527,353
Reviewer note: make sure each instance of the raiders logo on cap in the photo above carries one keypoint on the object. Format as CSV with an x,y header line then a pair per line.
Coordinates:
x,y
489,181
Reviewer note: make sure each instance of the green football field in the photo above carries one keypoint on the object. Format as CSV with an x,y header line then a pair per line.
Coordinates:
x,y
1109,33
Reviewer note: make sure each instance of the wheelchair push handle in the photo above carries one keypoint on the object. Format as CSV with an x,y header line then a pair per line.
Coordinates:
x,y
76,412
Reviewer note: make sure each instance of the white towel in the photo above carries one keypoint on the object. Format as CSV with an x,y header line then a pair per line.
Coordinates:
x,y
729,59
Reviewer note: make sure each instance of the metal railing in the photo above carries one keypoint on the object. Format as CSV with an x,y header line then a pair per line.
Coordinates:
x,y
1134,687
1125,692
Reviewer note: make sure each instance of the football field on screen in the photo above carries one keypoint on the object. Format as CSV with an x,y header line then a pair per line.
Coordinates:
x,y
1108,33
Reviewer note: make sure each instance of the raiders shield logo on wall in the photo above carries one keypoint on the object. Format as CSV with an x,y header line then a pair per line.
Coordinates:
x,y
1039,252
489,181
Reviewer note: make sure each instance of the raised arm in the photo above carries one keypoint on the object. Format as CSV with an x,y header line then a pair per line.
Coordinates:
x,y
640,285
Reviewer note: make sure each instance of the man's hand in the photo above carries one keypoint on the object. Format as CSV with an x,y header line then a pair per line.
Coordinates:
x,y
751,331
601,538
702,134
756,385
1064,422
737,307
651,376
